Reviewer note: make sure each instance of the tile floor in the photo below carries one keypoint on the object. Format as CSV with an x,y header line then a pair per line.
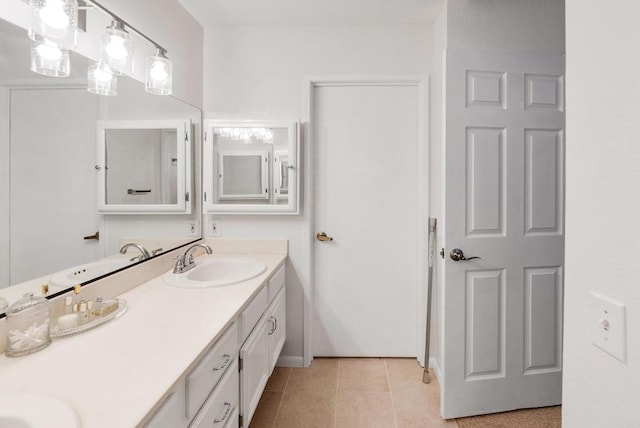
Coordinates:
x,y
371,393
353,393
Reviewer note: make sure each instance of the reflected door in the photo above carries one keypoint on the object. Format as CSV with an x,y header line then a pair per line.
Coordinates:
x,y
504,203
366,172
53,197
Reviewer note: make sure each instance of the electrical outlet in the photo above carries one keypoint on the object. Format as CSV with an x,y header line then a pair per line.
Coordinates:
x,y
608,326
214,228
193,228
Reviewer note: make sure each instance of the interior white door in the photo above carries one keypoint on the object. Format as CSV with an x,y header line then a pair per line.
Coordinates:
x,y
48,155
504,203
366,199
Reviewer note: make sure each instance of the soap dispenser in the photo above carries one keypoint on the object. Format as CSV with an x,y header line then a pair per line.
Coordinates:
x,y
27,326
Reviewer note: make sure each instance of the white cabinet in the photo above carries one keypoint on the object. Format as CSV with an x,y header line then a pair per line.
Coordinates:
x,y
170,414
278,324
261,351
255,370
219,409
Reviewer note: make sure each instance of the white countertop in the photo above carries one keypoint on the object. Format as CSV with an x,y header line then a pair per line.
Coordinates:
x,y
113,375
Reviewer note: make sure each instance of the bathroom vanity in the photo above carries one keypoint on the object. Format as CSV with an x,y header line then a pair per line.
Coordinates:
x,y
178,358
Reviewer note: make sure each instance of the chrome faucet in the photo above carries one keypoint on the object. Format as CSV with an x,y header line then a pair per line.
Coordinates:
x,y
145,254
186,262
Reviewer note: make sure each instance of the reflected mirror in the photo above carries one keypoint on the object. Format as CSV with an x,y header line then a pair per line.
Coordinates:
x,y
144,166
51,230
248,167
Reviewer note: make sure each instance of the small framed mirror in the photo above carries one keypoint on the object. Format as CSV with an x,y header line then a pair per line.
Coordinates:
x,y
251,167
144,167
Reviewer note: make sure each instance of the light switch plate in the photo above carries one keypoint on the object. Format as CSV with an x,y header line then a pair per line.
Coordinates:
x,y
609,326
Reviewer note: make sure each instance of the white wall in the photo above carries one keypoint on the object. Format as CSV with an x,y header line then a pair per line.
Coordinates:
x,y
5,186
258,72
506,25
603,207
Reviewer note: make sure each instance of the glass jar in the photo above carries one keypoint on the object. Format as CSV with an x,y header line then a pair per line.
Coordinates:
x,y
28,326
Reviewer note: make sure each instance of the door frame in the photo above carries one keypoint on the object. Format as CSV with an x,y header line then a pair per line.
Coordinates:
x,y
421,83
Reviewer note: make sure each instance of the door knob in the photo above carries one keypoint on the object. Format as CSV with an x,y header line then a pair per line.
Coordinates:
x,y
321,236
457,255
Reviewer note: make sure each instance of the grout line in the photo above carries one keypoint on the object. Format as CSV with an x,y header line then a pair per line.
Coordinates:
x,y
393,405
284,391
335,410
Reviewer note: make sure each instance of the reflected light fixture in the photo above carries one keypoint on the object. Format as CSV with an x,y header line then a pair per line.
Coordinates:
x,y
48,59
159,73
56,21
116,49
247,135
101,80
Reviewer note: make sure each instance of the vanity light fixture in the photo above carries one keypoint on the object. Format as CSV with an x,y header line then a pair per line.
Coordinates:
x,y
55,21
247,135
48,59
116,49
159,73
101,80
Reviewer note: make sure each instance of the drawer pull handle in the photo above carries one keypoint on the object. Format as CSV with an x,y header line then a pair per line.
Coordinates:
x,y
226,413
274,325
227,359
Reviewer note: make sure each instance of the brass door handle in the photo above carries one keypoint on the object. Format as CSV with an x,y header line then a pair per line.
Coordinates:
x,y
95,236
321,236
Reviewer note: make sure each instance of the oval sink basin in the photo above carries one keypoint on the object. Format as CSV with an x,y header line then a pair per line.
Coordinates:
x,y
25,410
82,273
216,272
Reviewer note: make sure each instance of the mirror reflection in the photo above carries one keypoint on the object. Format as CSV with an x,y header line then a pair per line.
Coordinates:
x,y
51,230
248,168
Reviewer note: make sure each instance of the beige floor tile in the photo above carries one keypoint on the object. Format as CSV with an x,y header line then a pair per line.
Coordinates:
x,y
406,372
418,406
278,379
321,376
363,374
307,410
265,415
364,410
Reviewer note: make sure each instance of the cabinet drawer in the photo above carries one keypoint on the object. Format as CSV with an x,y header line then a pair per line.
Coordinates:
x,y
221,405
253,312
276,283
208,372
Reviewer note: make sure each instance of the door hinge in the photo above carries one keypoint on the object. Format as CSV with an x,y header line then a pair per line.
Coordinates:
x,y
240,364
241,421
205,196
205,136
442,253
186,197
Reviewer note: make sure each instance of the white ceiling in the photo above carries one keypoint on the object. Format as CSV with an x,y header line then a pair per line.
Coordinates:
x,y
312,12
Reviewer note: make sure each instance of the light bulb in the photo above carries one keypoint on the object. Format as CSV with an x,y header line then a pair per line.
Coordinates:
x,y
116,48
103,75
49,51
158,72
54,15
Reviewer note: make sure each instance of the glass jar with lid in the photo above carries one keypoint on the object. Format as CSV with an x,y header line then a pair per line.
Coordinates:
x,y
27,326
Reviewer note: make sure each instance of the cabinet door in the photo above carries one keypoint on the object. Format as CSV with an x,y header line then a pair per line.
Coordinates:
x,y
277,328
255,369
170,414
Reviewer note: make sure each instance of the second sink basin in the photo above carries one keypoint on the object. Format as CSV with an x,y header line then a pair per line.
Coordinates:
x,y
216,272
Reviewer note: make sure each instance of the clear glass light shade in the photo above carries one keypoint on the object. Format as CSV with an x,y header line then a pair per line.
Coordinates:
x,y
56,21
48,59
159,75
101,80
116,49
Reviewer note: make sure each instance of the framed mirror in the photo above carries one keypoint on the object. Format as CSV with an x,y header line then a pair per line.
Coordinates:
x,y
144,166
251,167
51,232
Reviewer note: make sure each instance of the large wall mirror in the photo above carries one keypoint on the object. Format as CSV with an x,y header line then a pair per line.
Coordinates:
x,y
52,230
251,167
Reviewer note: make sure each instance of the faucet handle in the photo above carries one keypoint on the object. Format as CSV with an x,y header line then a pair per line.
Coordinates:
x,y
179,264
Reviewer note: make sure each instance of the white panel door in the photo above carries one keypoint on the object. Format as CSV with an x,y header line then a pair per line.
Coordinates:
x,y
504,203
366,198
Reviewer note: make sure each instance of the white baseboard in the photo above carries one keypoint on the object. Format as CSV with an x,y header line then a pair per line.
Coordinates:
x,y
433,363
285,361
